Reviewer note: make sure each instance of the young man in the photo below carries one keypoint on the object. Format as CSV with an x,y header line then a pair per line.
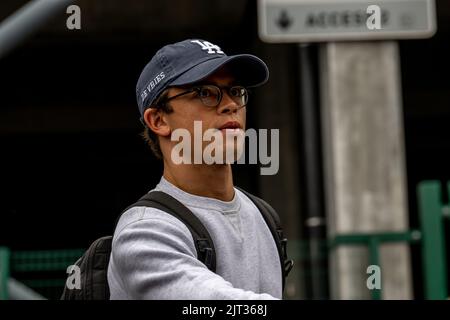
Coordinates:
x,y
187,84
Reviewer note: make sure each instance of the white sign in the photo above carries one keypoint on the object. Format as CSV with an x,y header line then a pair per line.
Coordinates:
x,y
334,20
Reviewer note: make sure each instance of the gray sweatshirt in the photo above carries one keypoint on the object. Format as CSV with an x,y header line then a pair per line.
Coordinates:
x,y
154,257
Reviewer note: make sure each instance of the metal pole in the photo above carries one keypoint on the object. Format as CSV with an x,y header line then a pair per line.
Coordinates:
x,y
4,272
374,257
433,246
27,20
315,216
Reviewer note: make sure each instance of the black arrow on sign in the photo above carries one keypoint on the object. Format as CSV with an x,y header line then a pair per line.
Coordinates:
x,y
284,21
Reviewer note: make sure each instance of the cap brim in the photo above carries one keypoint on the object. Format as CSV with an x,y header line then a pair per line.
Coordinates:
x,y
248,70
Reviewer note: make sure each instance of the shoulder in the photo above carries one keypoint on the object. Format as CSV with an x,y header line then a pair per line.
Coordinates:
x,y
250,199
151,219
260,205
249,196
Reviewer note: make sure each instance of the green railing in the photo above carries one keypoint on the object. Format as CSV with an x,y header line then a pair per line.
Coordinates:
x,y
373,241
48,260
4,273
43,271
431,237
432,212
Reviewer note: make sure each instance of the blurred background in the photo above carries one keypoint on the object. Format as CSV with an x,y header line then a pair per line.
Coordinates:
x,y
71,155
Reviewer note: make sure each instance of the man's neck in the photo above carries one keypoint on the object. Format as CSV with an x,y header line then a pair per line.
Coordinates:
x,y
212,181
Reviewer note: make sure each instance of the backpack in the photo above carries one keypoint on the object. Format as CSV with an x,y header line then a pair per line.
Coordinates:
x,y
93,265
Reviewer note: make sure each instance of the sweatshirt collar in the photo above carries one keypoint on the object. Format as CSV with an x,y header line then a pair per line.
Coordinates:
x,y
199,201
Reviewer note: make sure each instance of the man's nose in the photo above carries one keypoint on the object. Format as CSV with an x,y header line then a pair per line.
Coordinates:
x,y
227,105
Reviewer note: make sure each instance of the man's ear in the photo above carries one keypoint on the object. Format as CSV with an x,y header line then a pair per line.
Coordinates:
x,y
155,119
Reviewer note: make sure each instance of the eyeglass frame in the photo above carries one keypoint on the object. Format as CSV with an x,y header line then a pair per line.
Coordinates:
x,y
197,87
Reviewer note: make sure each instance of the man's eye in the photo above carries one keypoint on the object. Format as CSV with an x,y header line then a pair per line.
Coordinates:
x,y
204,92
237,92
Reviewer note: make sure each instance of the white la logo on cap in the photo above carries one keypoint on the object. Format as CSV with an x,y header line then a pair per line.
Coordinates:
x,y
212,48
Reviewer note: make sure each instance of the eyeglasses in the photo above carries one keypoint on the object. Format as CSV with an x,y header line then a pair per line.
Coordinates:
x,y
211,95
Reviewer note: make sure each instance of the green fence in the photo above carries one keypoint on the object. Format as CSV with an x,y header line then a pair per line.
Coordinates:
x,y
42,271
431,236
432,212
4,273
373,241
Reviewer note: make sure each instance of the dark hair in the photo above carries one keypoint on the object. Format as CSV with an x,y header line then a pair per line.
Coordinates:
x,y
149,136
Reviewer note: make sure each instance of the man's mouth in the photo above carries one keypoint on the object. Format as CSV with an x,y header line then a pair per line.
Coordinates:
x,y
231,126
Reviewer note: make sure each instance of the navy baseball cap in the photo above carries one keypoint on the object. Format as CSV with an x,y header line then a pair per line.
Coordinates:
x,y
190,61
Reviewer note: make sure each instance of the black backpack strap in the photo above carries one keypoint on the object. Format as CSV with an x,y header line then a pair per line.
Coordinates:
x,y
203,242
273,222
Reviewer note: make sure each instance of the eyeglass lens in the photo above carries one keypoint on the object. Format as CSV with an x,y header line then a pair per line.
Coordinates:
x,y
212,95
